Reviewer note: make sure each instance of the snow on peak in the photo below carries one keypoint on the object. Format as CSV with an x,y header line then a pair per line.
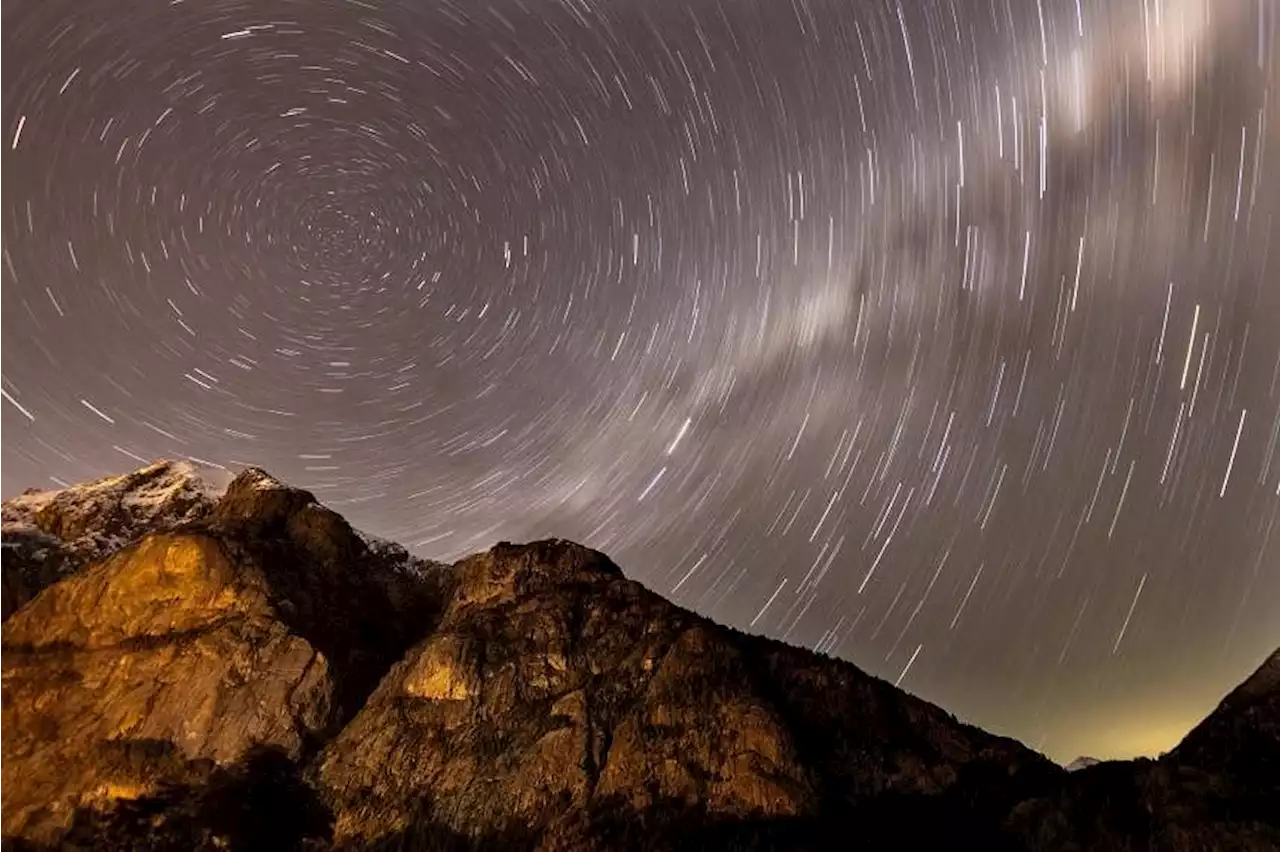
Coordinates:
x,y
148,491
95,518
259,480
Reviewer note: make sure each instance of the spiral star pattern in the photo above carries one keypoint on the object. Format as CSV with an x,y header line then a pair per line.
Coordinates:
x,y
944,336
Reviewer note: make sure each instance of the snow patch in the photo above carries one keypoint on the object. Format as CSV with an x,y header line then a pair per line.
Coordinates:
x,y
180,477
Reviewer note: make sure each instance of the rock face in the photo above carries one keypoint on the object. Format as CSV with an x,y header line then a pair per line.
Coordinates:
x,y
555,699
248,672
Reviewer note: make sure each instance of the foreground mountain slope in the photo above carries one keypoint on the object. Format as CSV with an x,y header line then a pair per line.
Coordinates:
x,y
255,674
1244,731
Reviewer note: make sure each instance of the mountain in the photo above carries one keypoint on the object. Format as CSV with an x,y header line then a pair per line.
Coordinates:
x,y
1081,763
197,666
51,534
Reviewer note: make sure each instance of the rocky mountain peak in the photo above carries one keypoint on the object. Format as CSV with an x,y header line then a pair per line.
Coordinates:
x,y
255,496
259,505
509,572
53,534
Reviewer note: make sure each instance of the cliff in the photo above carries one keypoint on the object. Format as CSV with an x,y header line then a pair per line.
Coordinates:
x,y
209,669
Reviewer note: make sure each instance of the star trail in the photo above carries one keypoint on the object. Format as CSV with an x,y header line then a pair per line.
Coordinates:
x,y
939,336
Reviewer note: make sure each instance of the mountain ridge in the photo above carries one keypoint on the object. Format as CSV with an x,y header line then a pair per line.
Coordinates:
x,y
219,641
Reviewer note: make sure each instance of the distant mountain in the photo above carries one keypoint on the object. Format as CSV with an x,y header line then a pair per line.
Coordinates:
x,y
1081,763
236,668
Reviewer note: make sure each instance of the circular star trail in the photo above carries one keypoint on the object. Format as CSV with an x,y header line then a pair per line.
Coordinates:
x,y
944,337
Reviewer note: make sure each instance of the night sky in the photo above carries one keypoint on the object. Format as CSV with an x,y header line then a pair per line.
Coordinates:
x,y
943,337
